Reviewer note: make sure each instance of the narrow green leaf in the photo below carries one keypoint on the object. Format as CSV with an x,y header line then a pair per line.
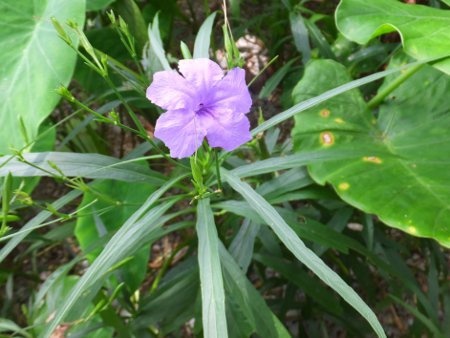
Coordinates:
x,y
300,35
446,308
35,222
77,165
5,197
318,40
303,253
240,208
211,282
422,318
307,283
54,278
7,325
251,304
292,161
405,274
125,241
185,50
156,46
121,199
272,83
291,180
172,304
203,38
308,229
241,248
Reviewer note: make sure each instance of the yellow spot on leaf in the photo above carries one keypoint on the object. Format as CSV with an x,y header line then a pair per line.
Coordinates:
x,y
412,230
327,138
343,186
373,159
324,113
339,120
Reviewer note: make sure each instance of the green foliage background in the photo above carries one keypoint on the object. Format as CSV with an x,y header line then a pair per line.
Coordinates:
x,y
292,234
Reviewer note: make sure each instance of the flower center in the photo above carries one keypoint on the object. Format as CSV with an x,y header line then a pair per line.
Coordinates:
x,y
200,109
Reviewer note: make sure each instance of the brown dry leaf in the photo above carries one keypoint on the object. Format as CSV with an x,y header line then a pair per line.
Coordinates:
x,y
60,331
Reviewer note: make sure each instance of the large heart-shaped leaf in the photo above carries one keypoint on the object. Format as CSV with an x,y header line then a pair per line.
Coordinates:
x,y
425,31
400,166
34,62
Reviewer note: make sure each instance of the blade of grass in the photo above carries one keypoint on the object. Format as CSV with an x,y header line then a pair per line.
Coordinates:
x,y
301,252
211,282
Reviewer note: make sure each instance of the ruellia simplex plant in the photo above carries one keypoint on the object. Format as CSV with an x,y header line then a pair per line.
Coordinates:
x,y
174,204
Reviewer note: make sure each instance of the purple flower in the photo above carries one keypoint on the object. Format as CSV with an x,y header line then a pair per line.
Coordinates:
x,y
201,102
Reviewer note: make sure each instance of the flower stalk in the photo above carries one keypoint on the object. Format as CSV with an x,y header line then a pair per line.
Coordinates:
x,y
382,94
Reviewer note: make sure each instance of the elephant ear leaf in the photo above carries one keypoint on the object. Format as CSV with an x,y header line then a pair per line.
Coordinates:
x,y
424,30
35,61
399,167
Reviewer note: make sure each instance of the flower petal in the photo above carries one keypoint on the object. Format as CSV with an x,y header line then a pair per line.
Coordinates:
x,y
226,129
202,73
231,93
180,131
171,91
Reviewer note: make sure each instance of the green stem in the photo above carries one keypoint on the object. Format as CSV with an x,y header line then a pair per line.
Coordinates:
x,y
110,317
164,268
51,174
379,98
216,159
206,8
264,151
369,231
6,199
127,106
263,70
103,118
